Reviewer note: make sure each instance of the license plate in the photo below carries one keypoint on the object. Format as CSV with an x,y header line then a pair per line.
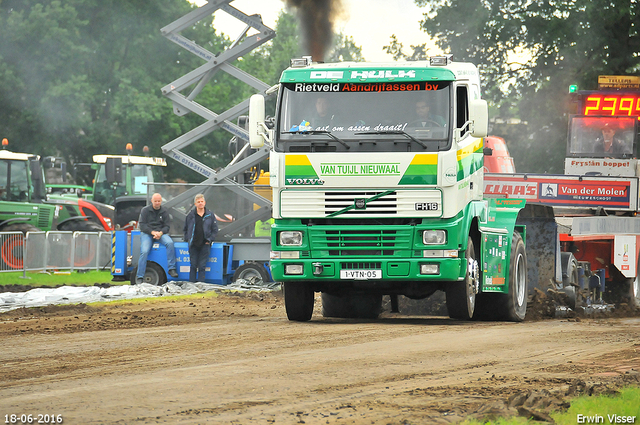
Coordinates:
x,y
361,274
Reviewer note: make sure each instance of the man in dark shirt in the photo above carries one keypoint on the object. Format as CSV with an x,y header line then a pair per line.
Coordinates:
x,y
155,223
608,143
200,230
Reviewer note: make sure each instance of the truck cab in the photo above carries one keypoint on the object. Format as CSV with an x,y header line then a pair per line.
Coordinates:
x,y
377,171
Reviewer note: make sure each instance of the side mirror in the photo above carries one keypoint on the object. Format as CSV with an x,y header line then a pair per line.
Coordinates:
x,y
479,116
256,121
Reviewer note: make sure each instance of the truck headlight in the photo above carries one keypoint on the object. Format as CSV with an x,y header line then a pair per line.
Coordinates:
x,y
290,238
434,237
293,269
427,268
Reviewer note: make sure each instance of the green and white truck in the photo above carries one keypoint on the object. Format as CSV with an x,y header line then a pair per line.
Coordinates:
x,y
373,195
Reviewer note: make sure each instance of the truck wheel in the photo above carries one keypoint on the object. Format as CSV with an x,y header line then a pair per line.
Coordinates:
x,y
461,296
514,304
298,301
153,275
352,306
247,271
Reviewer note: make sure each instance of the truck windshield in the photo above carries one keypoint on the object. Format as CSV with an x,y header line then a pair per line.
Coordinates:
x,y
602,136
138,174
144,174
385,116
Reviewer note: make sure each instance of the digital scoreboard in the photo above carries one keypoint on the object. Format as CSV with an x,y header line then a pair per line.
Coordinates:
x,y
618,96
611,103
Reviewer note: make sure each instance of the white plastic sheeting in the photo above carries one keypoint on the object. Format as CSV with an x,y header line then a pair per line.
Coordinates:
x,y
41,297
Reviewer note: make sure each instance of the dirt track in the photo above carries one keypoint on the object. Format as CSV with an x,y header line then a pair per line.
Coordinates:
x,y
236,359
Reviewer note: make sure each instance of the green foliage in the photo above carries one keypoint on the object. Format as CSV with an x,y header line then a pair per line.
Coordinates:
x,y
395,49
345,50
560,43
81,77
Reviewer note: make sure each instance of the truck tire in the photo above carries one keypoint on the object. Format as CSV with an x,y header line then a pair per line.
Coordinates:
x,y
248,271
352,306
461,296
12,248
153,275
513,306
298,301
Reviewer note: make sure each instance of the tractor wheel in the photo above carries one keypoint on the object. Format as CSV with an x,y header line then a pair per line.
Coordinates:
x,y
570,289
298,301
12,247
251,272
81,226
352,306
461,296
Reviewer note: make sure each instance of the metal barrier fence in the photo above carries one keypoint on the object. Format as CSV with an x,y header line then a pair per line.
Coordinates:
x,y
54,250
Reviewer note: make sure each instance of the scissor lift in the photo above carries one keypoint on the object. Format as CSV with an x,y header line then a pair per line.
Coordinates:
x,y
183,103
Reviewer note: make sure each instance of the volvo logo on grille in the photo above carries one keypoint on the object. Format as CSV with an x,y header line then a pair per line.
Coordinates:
x,y
360,203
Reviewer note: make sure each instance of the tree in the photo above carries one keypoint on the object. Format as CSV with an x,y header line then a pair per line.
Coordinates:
x,y
80,77
530,52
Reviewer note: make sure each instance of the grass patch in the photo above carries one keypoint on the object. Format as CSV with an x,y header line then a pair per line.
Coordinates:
x,y
75,278
604,409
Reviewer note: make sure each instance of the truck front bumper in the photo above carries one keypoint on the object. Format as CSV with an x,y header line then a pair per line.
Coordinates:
x,y
368,269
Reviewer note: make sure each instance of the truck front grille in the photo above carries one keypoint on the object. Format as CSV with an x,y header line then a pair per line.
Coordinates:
x,y
336,242
358,204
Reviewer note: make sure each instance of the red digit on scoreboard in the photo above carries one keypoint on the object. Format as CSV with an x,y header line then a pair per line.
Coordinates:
x,y
626,105
612,105
595,108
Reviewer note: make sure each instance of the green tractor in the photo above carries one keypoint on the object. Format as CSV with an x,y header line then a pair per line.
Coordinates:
x,y
26,206
121,181
22,194
76,210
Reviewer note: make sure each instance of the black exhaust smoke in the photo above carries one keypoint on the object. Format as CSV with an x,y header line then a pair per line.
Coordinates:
x,y
316,20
